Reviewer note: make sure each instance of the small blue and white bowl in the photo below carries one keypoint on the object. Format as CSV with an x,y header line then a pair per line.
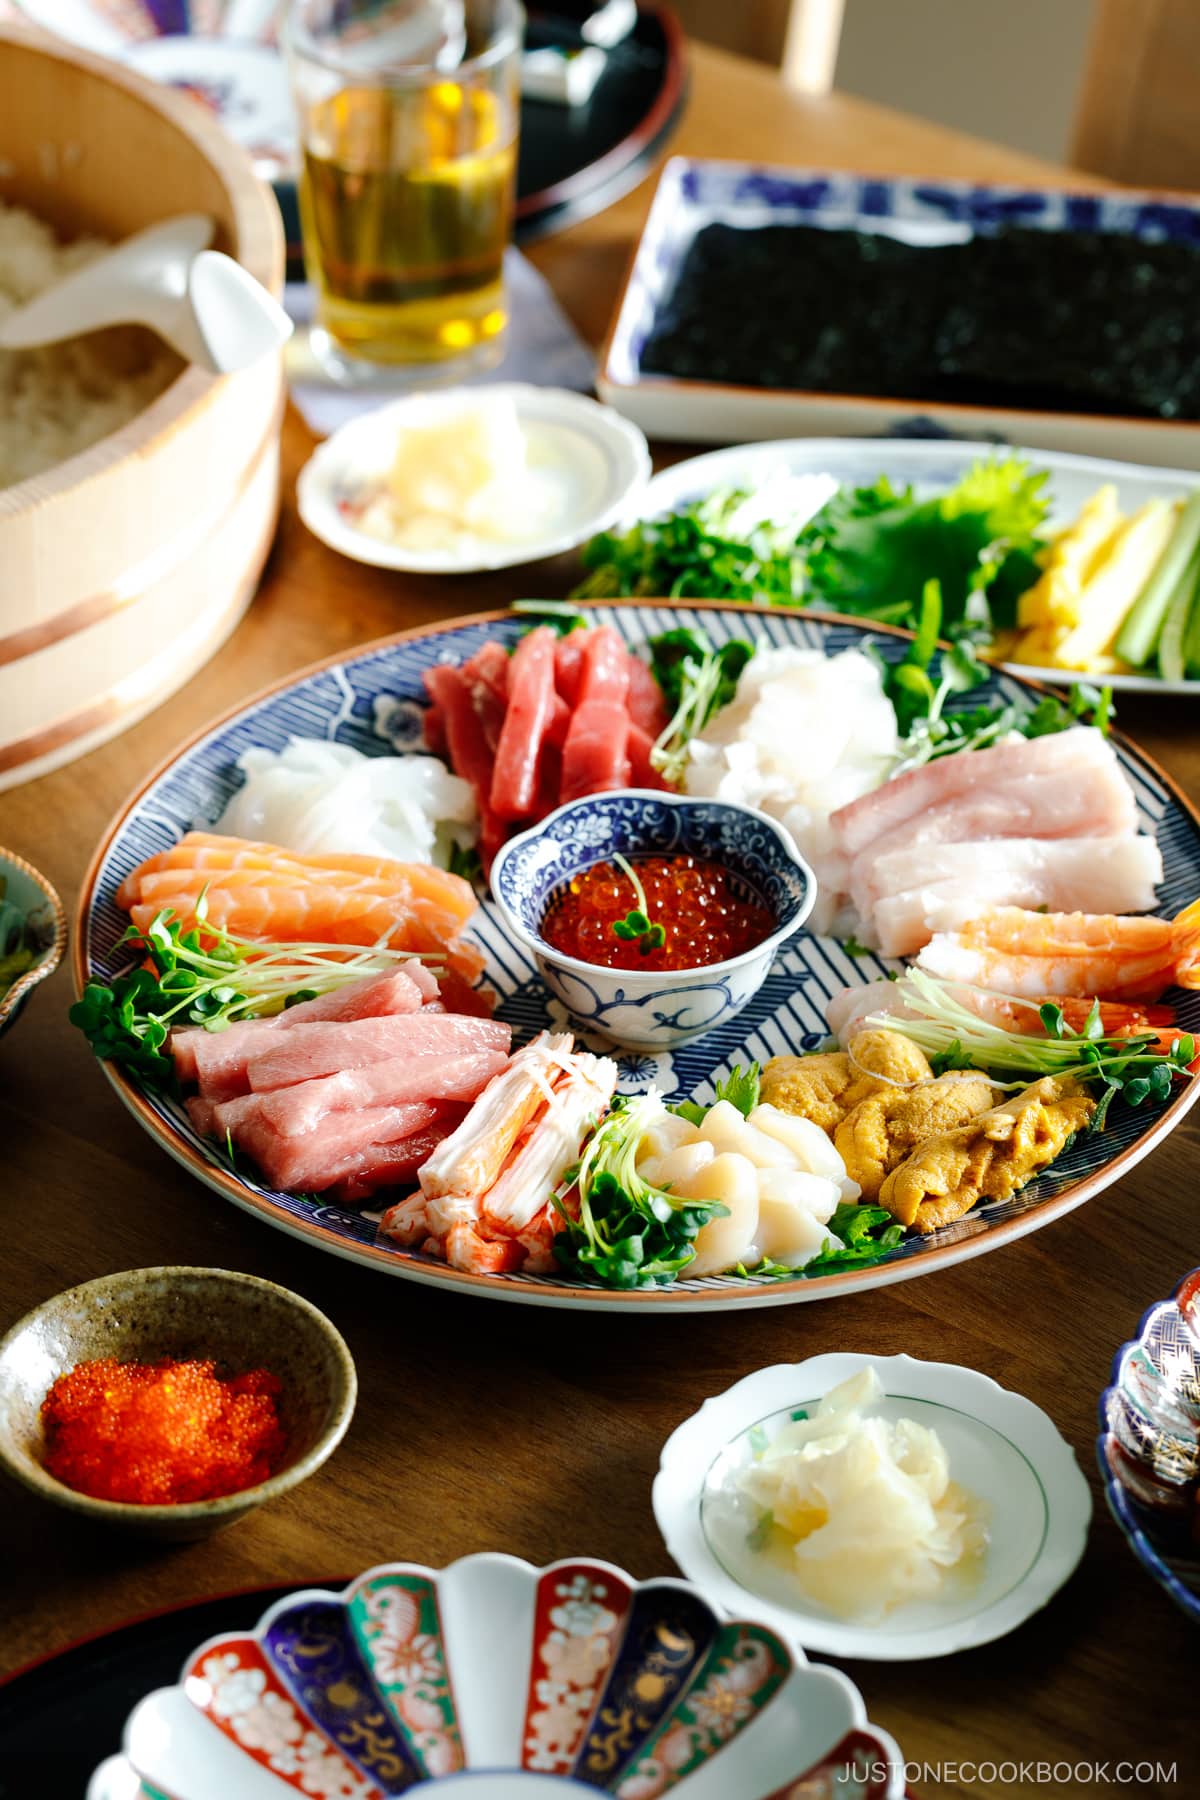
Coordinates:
x,y
654,1010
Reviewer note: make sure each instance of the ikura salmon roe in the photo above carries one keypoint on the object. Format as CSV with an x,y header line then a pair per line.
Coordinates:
x,y
164,1433
704,918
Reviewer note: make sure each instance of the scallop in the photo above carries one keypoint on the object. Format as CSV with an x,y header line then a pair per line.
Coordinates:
x,y
806,1141
788,1233
667,1133
726,1129
814,1194
721,1243
675,1168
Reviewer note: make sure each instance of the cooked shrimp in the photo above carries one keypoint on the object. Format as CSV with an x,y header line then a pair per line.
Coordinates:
x,y
1080,954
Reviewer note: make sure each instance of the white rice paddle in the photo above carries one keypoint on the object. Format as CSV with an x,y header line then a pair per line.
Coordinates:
x,y
205,305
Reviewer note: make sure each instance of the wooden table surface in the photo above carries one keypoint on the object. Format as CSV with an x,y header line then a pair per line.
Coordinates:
x,y
482,1426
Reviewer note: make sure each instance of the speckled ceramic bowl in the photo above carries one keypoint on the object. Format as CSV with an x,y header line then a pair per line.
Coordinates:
x,y
144,1314
31,913
652,1010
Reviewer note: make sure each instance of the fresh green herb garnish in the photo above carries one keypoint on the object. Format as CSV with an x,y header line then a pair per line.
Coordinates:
x,y
952,1057
930,727
629,1233
637,927
1134,1067
466,862
696,679
708,549
740,1087
867,1234
559,615
868,551
852,947
205,976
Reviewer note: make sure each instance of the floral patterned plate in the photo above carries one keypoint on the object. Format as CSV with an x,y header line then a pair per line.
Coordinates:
x,y
1149,1444
375,697
569,1679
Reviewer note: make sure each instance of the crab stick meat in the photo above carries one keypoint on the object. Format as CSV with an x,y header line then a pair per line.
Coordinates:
x,y
469,1161
552,1145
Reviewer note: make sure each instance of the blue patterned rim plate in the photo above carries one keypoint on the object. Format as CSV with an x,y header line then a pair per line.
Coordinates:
x,y
1149,1443
694,192
642,1008
504,1682
342,699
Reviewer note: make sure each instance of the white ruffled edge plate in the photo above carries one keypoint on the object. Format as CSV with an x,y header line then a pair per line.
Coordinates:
x,y
1016,1430
929,464
602,456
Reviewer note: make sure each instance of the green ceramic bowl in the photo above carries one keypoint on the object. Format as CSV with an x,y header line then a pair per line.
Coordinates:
x,y
33,928
141,1315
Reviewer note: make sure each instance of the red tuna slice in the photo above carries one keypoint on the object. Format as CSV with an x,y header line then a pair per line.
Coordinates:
x,y
568,663
292,1111
531,700
401,990
329,1154
458,996
217,1060
391,1165
311,1051
647,708
202,1113
434,731
468,749
594,757
486,676
642,771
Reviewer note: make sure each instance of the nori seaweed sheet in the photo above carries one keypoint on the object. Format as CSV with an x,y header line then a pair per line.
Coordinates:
x,y
1087,322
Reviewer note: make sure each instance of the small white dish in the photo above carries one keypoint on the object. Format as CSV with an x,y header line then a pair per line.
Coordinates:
x,y
1001,1447
592,462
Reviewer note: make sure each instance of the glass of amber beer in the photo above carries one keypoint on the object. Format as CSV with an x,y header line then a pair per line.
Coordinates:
x,y
408,113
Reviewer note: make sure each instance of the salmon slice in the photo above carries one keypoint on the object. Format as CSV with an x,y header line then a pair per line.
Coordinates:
x,y
201,850
311,1051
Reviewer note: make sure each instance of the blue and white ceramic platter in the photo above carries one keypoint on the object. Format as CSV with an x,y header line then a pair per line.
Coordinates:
x,y
695,192
381,688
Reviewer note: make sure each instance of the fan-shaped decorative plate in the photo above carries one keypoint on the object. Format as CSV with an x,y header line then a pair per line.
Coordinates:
x,y
381,687
570,1679
1149,1446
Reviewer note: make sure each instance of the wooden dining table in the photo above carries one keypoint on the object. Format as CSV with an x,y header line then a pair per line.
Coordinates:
x,y
537,1432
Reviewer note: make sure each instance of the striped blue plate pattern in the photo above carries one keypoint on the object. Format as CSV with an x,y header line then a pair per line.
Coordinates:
x,y
352,702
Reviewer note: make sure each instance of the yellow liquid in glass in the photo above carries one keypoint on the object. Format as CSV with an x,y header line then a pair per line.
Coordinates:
x,y
406,202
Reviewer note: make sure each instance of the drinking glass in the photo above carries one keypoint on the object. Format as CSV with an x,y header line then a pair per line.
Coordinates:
x,y
408,115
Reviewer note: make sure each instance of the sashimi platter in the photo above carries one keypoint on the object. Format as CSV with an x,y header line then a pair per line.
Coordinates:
x,y
652,954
